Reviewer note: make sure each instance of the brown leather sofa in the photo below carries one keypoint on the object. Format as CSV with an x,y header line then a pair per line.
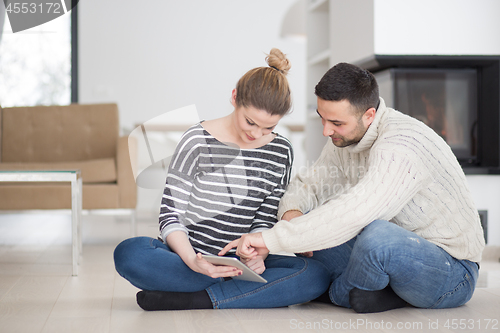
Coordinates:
x,y
84,137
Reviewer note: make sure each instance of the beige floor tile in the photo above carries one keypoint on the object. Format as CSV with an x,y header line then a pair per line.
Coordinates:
x,y
494,291
7,282
28,304
206,321
77,325
86,296
21,325
126,316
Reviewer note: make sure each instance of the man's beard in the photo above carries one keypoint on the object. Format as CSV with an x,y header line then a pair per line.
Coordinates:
x,y
357,135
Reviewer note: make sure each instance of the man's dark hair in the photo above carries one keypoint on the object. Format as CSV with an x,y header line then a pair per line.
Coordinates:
x,y
348,82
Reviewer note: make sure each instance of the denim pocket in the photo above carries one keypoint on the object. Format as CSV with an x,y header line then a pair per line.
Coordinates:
x,y
460,295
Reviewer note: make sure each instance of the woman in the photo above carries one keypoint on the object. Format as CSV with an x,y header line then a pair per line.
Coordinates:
x,y
224,180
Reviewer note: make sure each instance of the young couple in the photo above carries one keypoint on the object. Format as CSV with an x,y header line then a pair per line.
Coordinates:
x,y
225,188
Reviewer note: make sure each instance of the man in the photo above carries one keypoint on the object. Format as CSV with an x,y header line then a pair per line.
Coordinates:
x,y
385,207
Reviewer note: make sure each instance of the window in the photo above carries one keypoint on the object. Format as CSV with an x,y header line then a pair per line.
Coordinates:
x,y
36,64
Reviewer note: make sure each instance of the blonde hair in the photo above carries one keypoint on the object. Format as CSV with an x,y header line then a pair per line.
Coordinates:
x,y
266,88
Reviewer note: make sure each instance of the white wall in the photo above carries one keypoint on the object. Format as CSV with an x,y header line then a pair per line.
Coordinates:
x,y
414,27
444,27
351,30
158,56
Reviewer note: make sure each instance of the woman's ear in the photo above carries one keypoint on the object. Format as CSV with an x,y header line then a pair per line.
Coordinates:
x,y
233,97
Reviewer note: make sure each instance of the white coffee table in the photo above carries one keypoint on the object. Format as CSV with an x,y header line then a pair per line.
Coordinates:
x,y
72,176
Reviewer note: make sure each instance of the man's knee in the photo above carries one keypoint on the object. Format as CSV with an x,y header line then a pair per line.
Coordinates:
x,y
378,226
376,231
379,237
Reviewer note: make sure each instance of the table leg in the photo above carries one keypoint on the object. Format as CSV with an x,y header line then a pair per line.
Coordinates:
x,y
75,195
80,221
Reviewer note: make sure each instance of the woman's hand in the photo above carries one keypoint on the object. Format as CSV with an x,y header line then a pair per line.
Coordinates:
x,y
200,265
179,243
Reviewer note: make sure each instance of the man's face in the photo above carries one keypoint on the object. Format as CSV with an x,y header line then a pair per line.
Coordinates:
x,y
341,123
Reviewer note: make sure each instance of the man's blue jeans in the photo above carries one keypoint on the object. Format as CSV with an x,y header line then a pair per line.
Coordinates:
x,y
418,271
149,264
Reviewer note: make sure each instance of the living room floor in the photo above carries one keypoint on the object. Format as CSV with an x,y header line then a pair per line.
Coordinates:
x,y
38,293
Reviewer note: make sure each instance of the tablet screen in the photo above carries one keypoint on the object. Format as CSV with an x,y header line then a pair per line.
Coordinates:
x,y
248,274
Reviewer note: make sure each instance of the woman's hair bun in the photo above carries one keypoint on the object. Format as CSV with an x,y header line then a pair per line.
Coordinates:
x,y
278,60
266,88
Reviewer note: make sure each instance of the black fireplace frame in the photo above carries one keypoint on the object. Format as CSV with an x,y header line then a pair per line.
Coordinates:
x,y
488,94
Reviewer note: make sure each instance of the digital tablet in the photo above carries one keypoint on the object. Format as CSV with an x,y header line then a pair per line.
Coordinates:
x,y
247,275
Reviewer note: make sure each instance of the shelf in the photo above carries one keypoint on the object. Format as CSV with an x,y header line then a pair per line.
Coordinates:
x,y
319,53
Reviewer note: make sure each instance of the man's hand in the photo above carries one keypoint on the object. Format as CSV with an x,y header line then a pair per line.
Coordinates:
x,y
248,247
290,214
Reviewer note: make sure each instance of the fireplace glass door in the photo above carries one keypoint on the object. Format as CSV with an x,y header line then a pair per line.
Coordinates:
x,y
444,99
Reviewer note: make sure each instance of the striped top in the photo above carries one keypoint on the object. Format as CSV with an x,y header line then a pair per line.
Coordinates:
x,y
216,192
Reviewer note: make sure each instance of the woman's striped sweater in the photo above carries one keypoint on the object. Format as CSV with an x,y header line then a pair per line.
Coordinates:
x,y
216,192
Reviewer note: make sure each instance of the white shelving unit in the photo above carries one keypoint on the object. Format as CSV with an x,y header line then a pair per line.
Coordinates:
x,y
318,62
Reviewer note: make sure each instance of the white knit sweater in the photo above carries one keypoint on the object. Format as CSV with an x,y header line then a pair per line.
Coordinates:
x,y
400,171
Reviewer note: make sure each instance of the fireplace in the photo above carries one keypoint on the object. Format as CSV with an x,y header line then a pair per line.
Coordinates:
x,y
457,96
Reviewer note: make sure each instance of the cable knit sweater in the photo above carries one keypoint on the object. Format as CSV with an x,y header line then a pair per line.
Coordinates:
x,y
400,171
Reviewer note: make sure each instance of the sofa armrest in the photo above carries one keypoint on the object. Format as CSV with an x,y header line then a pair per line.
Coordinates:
x,y
125,178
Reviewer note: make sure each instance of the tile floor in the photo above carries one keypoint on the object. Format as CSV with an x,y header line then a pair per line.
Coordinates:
x,y
38,293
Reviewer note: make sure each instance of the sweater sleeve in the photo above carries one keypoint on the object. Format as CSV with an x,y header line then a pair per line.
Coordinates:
x,y
177,191
391,181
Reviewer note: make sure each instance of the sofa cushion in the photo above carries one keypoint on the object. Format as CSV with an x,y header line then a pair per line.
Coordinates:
x,y
59,133
56,196
93,171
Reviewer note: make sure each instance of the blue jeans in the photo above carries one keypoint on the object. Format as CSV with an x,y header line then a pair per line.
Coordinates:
x,y
149,264
418,271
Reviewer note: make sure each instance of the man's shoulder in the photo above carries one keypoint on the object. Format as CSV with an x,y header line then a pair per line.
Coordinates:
x,y
396,123
409,136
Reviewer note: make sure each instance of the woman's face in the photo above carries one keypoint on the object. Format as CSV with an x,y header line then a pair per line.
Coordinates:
x,y
253,124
